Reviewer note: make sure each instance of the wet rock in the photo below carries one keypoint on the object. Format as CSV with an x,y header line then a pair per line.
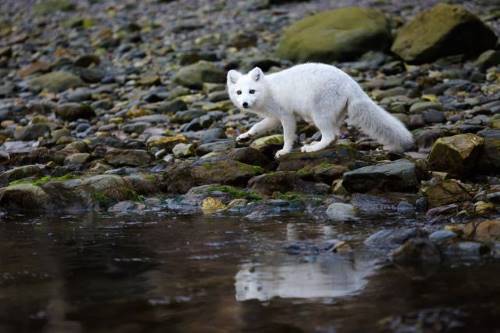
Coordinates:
x,y
456,154
399,175
130,157
282,182
373,206
392,238
56,82
193,76
415,251
444,192
324,172
249,156
341,212
126,207
466,250
441,237
441,31
340,34
23,197
177,178
74,111
77,159
216,146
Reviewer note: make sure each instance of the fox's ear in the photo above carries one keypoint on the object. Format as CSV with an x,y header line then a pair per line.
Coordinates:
x,y
233,76
256,74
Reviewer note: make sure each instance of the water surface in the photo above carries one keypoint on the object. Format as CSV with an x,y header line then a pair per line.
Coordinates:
x,y
193,274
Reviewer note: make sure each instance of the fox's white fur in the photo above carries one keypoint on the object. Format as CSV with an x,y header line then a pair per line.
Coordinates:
x,y
319,94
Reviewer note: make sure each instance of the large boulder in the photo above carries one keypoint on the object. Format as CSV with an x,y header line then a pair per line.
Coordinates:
x,y
282,182
193,76
441,31
223,171
335,35
399,175
456,154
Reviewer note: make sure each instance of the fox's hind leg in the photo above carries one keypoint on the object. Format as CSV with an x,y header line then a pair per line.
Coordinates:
x,y
329,128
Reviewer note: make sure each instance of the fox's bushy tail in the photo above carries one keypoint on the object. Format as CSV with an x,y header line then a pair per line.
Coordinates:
x,y
378,124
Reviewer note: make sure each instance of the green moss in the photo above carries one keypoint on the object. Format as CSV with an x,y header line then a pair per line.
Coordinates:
x,y
43,180
236,192
288,196
101,198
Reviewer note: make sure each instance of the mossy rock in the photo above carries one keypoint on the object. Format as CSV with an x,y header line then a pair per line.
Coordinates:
x,y
456,154
45,7
336,35
489,159
24,196
441,31
224,171
56,81
342,154
193,76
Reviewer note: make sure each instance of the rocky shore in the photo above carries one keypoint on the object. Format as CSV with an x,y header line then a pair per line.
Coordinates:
x,y
120,107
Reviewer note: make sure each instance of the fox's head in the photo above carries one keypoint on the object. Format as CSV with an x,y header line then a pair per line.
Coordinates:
x,y
247,91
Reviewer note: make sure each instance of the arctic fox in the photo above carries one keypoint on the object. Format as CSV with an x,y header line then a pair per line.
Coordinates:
x,y
319,94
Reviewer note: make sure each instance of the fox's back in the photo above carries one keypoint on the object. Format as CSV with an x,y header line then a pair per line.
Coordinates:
x,y
300,87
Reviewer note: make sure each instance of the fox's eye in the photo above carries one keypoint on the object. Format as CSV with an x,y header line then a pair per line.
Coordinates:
x,y
252,91
238,92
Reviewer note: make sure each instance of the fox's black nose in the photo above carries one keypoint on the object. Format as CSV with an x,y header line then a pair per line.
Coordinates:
x,y
245,105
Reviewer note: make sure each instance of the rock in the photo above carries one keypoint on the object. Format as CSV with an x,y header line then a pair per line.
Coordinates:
x,y
341,154
456,154
166,142
466,250
183,150
76,159
130,157
143,183
392,238
489,159
282,182
341,212
324,172
177,178
399,175
441,237
441,31
32,132
20,172
193,76
487,59
415,251
216,146
444,192
23,197
423,106
56,82
335,35
212,205
482,208
488,231
74,111
51,6
268,144
249,156
107,189
244,39
223,171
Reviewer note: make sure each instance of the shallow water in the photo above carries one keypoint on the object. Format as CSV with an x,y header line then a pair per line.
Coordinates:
x,y
163,274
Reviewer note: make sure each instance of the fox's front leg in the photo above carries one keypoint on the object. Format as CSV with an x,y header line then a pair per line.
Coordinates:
x,y
262,126
289,128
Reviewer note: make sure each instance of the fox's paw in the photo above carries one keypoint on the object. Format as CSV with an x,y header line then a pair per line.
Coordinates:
x,y
308,148
244,136
282,152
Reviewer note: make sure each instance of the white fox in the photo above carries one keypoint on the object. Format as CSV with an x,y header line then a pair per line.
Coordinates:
x,y
318,93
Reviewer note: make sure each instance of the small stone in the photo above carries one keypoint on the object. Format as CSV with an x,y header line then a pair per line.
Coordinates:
x,y
74,111
130,157
56,82
193,76
212,205
341,212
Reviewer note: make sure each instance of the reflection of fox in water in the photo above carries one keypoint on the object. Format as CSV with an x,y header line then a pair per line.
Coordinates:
x,y
325,275
317,93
